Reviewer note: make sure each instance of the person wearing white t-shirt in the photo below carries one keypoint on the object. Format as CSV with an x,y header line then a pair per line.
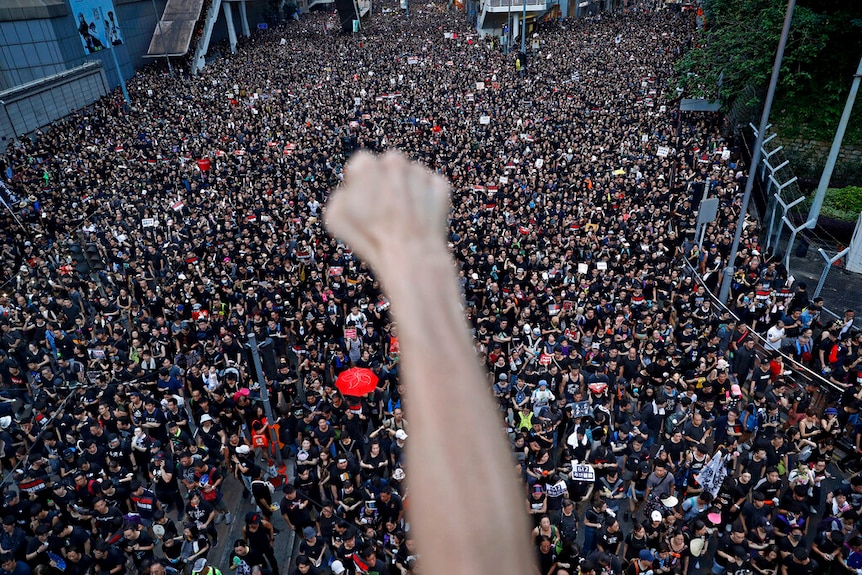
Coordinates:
x,y
356,319
774,335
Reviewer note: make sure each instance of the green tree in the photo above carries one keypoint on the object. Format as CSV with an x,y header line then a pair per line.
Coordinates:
x,y
738,46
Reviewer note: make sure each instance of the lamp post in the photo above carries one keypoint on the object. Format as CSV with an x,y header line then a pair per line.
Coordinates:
x,y
113,50
755,158
524,30
159,24
508,34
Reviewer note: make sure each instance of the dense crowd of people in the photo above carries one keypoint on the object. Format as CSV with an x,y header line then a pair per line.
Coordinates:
x,y
629,397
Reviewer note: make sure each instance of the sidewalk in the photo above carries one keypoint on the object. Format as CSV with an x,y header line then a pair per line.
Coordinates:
x,y
842,290
285,542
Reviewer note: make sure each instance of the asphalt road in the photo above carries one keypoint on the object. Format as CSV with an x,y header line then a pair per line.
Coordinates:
x,y
286,543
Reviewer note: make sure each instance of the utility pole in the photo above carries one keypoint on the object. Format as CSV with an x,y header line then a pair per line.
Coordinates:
x,y
755,157
509,37
113,50
264,392
524,30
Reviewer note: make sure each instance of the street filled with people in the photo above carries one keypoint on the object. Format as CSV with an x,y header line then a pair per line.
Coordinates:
x,y
653,430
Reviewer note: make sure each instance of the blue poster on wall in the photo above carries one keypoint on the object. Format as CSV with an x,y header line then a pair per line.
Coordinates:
x,y
97,24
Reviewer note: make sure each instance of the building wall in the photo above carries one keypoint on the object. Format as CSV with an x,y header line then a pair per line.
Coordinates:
x,y
36,43
26,108
41,51
139,23
28,51
41,38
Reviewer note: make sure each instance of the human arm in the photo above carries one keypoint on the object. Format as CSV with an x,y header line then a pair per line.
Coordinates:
x,y
393,213
40,549
285,516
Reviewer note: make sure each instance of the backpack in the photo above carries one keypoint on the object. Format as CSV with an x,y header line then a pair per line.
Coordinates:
x,y
750,419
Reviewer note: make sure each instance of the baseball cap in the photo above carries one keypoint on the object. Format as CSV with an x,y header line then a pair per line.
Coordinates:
x,y
401,435
206,417
646,555
243,449
309,532
337,567
656,515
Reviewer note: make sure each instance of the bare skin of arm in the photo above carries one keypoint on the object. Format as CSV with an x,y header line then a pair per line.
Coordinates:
x,y
465,499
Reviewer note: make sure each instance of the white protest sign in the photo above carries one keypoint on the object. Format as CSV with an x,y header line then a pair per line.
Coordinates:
x,y
583,268
601,265
149,223
583,473
663,152
485,120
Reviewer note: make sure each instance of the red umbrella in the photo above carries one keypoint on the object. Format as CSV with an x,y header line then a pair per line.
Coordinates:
x,y
356,381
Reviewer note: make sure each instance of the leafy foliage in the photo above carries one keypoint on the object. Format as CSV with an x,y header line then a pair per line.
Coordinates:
x,y
839,203
738,46
847,199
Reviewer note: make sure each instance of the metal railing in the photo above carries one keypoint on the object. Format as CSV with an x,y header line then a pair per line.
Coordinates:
x,y
514,4
802,373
